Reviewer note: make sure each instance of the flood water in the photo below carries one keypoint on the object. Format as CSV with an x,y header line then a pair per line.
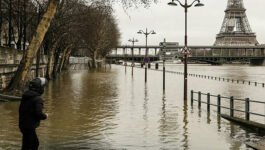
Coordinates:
x,y
111,109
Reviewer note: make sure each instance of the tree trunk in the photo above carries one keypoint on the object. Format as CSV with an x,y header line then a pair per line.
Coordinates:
x,y
1,22
94,65
105,63
90,64
10,23
62,59
38,63
55,65
51,61
18,81
19,26
50,64
67,57
38,53
25,27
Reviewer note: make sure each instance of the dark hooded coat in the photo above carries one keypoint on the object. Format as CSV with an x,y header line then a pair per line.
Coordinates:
x,y
30,110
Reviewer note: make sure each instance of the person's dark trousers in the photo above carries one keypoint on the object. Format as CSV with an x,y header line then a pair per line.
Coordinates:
x,y
30,140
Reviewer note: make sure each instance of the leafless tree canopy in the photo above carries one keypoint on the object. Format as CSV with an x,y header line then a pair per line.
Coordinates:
x,y
59,28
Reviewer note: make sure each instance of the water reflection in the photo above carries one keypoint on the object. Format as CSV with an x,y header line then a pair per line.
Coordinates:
x,y
163,121
208,117
132,93
234,132
219,123
84,112
145,109
9,132
111,110
185,140
169,128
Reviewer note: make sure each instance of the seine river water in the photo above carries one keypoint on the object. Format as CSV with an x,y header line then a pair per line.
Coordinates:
x,y
109,109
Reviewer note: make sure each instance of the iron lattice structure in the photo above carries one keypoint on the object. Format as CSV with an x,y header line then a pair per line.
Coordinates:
x,y
235,30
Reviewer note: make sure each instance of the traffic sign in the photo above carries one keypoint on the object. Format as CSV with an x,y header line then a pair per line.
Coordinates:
x,y
125,64
132,64
146,59
186,51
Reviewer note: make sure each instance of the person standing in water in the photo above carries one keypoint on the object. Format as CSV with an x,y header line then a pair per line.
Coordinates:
x,y
30,113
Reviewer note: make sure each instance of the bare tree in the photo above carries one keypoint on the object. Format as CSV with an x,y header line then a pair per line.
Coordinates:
x,y
82,22
18,80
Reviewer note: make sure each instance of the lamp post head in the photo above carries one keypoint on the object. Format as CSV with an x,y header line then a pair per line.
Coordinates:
x,y
139,32
199,4
172,3
153,32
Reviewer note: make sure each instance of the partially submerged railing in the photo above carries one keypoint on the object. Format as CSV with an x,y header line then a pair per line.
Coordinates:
x,y
221,79
219,105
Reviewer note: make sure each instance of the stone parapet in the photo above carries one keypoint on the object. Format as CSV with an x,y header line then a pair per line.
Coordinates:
x,y
9,62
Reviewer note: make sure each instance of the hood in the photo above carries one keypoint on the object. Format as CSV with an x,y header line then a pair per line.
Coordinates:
x,y
29,94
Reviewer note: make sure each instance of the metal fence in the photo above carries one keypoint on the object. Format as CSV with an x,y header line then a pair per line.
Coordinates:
x,y
219,105
221,79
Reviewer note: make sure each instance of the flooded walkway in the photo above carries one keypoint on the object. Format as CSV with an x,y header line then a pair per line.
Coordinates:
x,y
113,110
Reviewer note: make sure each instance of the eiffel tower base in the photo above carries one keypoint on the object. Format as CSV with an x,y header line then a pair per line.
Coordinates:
x,y
236,39
235,30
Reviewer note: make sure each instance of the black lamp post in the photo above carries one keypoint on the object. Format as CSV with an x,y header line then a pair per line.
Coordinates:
x,y
185,49
133,41
146,33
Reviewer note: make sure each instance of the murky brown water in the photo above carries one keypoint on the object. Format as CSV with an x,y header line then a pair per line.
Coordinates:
x,y
113,110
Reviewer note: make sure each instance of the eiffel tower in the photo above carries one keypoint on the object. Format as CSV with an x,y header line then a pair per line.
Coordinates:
x,y
235,29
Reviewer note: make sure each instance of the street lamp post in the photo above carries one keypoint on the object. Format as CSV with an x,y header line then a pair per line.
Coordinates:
x,y
185,49
125,59
146,33
133,41
164,67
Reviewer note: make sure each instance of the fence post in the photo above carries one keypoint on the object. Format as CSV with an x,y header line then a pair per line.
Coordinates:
x,y
199,99
237,81
256,83
208,101
247,109
191,97
243,81
223,79
219,78
231,106
232,80
219,104
263,84
248,82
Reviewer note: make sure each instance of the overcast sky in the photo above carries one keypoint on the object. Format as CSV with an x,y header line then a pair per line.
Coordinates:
x,y
203,22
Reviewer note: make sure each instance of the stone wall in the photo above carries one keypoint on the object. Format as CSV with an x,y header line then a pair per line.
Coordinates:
x,y
9,61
